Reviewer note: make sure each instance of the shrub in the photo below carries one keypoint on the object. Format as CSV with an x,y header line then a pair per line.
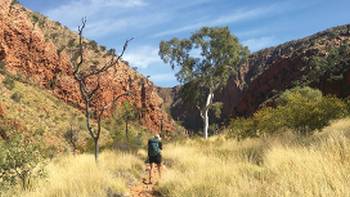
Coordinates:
x,y
14,2
71,43
93,44
35,18
20,161
2,67
58,23
330,67
72,136
305,109
111,51
302,109
103,48
52,83
16,97
9,83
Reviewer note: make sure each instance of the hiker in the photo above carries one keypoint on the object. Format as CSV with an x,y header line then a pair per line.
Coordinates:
x,y
154,155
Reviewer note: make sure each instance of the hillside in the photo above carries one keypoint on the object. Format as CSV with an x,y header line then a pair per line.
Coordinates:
x,y
36,110
40,51
271,71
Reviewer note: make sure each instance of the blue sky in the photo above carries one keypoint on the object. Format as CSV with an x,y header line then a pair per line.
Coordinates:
x,y
257,23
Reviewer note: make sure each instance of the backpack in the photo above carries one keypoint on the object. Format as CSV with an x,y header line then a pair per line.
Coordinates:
x,y
153,147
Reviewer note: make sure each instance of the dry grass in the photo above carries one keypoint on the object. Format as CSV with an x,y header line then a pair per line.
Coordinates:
x,y
79,176
284,165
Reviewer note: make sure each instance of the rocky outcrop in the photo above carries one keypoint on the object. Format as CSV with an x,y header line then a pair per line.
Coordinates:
x,y
271,71
39,58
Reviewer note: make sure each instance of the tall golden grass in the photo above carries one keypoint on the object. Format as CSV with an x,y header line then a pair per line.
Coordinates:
x,y
72,176
284,165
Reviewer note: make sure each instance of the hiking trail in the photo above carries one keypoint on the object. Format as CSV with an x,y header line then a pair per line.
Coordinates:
x,y
145,189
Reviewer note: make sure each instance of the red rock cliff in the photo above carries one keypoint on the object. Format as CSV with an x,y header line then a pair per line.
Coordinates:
x,y
27,52
273,70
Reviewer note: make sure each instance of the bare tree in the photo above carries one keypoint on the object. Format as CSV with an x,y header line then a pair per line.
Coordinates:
x,y
92,75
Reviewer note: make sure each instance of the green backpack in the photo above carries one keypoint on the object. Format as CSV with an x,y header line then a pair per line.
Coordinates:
x,y
153,147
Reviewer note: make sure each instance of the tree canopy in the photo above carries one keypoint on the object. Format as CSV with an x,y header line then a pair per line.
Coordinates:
x,y
210,56
206,61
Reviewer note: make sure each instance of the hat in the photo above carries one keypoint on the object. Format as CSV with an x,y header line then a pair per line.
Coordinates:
x,y
157,136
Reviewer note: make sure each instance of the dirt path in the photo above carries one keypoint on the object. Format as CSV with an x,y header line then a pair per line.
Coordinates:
x,y
143,188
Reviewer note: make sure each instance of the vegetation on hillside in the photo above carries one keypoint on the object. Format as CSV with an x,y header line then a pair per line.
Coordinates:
x,y
331,67
319,45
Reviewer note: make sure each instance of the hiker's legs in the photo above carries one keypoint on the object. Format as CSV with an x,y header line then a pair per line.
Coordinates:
x,y
159,166
150,173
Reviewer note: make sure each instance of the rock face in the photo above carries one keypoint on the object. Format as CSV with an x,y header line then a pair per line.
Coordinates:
x,y
271,71
34,49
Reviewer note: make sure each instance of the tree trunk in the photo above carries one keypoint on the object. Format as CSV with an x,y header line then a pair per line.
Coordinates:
x,y
25,181
74,149
206,114
96,149
3,135
127,132
24,185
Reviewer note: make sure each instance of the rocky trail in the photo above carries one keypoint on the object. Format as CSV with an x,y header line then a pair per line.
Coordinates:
x,y
145,189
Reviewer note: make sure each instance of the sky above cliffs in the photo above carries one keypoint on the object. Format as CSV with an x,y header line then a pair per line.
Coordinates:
x,y
257,23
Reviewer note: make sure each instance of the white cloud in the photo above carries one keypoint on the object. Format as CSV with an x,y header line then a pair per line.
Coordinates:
x,y
104,27
70,13
256,44
143,57
237,16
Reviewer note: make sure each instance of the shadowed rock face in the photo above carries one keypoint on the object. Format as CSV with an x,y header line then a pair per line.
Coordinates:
x,y
271,71
37,52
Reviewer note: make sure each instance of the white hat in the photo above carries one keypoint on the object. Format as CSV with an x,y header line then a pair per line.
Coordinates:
x,y
158,136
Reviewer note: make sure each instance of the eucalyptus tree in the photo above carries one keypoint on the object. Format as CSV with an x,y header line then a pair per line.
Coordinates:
x,y
206,61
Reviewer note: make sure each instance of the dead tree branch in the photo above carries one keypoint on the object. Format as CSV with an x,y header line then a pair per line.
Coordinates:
x,y
85,75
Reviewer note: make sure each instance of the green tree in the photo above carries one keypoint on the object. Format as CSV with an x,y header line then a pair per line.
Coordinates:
x,y
305,109
302,109
220,55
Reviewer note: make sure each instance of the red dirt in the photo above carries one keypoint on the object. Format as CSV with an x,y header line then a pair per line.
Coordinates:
x,y
143,188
